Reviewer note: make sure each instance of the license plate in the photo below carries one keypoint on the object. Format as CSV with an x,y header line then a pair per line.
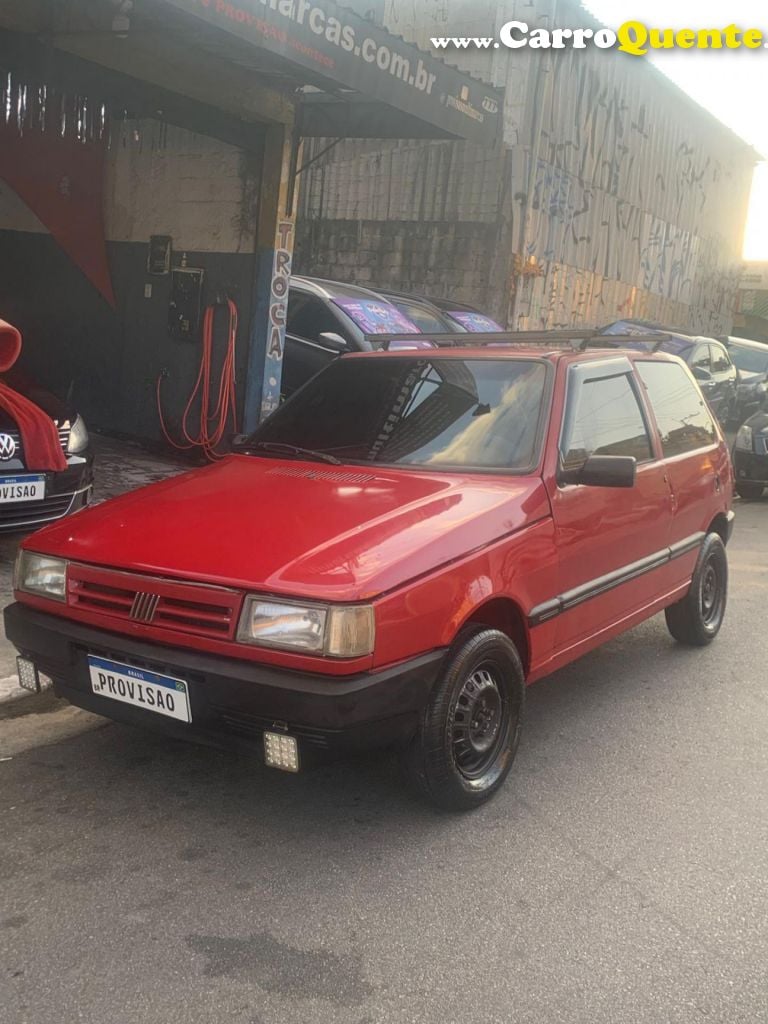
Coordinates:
x,y
21,488
164,695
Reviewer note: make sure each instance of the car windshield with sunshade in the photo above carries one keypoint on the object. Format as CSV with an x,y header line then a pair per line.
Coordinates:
x,y
435,413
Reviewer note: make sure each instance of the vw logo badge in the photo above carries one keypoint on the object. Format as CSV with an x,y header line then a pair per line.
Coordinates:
x,y
7,447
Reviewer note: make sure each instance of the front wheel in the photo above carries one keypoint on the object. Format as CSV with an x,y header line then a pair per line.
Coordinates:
x,y
469,731
696,619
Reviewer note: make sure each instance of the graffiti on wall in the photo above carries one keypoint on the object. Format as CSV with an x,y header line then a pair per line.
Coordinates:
x,y
633,212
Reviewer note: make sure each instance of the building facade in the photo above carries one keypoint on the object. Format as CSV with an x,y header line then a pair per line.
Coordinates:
x,y
614,194
149,167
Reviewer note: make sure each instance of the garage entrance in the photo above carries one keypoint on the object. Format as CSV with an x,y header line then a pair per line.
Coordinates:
x,y
152,154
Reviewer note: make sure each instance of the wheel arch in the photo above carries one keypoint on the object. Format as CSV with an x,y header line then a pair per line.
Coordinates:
x,y
719,525
504,614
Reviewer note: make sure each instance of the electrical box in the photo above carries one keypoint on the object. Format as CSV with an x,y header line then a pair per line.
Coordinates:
x,y
159,254
185,303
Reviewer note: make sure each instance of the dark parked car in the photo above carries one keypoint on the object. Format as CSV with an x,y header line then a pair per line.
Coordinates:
x,y
751,360
750,455
708,359
28,499
326,318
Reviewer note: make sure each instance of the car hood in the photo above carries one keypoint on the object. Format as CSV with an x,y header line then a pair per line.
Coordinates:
x,y
283,526
21,382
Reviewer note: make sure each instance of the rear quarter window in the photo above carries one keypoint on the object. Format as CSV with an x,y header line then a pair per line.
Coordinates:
x,y
684,421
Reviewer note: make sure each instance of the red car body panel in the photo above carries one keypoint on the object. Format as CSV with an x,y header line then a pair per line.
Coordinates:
x,y
334,540
430,550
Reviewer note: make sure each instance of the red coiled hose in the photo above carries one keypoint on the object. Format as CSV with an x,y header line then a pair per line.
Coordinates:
x,y
213,423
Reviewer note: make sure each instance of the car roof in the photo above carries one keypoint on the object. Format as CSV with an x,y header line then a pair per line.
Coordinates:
x,y
452,305
397,294
517,351
760,346
326,289
649,327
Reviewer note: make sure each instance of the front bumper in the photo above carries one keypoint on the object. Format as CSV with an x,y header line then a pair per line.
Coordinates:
x,y
234,702
750,467
65,492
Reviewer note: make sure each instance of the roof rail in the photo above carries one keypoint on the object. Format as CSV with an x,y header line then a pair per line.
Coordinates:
x,y
577,340
470,339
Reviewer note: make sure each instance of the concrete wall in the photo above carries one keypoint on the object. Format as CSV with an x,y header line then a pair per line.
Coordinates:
x,y
159,180
638,196
408,214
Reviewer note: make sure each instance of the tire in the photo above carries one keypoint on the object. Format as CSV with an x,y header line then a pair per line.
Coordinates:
x,y
696,619
470,729
750,492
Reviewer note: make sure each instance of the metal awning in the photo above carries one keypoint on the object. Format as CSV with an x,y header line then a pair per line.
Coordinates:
x,y
372,84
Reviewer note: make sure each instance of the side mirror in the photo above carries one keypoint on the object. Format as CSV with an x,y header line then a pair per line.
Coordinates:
x,y
701,374
604,471
333,341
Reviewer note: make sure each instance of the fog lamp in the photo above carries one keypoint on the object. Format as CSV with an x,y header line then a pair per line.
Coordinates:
x,y
281,751
29,678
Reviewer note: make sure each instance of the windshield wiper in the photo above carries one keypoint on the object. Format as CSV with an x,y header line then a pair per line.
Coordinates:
x,y
279,448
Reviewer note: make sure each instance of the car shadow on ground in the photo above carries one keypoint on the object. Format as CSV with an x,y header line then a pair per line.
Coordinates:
x,y
117,773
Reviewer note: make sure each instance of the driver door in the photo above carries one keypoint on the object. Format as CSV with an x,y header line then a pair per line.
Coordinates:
x,y
610,540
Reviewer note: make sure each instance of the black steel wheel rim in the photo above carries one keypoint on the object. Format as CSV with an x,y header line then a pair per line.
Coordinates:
x,y
710,595
480,722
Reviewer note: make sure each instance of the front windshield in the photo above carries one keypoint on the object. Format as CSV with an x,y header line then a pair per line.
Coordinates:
x,y
374,316
750,360
426,319
475,323
435,412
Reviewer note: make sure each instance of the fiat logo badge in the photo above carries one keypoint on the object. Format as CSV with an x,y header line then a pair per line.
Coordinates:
x,y
7,447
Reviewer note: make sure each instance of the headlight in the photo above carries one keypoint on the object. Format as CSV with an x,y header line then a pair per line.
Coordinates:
x,y
41,575
744,439
78,437
344,631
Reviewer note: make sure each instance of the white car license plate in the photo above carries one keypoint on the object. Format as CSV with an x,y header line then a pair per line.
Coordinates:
x,y
21,488
140,688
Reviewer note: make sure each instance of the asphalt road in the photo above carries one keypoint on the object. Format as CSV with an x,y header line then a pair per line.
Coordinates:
x,y
621,875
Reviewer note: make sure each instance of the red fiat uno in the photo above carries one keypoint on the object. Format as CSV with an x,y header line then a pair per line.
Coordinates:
x,y
391,557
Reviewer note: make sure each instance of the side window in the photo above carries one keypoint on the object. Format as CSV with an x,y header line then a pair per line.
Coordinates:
x,y
701,359
603,417
308,317
685,423
720,360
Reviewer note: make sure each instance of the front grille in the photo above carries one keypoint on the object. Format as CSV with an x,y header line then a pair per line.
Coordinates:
x,y
64,432
182,607
33,513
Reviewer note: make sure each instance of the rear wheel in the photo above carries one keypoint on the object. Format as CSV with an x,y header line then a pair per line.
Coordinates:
x,y
696,619
750,491
468,735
